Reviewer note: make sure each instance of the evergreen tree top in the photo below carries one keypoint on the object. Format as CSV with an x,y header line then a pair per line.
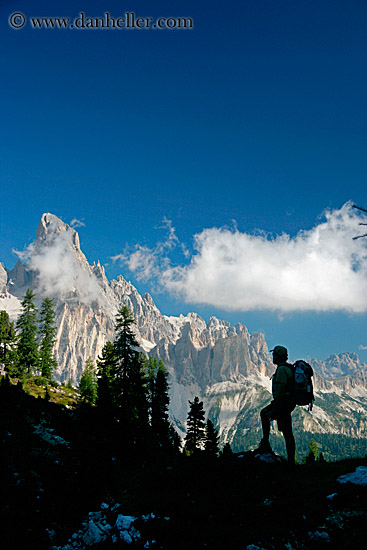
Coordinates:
x,y
28,299
124,328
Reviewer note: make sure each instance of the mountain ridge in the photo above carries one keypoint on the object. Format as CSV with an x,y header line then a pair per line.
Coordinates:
x,y
226,366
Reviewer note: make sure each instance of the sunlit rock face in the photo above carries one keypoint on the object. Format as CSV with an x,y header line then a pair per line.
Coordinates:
x,y
3,279
225,366
208,354
339,365
82,333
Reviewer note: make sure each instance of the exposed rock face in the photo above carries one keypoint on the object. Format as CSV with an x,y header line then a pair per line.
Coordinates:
x,y
50,227
20,276
338,365
214,353
228,368
152,325
82,333
3,279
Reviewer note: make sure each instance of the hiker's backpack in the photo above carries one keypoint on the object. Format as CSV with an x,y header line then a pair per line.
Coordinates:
x,y
303,388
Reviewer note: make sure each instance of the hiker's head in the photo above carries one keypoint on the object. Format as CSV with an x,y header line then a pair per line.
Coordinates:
x,y
280,354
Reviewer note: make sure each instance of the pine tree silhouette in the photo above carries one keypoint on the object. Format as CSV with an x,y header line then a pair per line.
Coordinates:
x,y
27,350
211,439
47,339
88,383
195,436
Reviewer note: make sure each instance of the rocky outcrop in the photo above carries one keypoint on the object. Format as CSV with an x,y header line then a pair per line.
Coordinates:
x,y
20,277
339,365
48,230
213,353
152,325
82,333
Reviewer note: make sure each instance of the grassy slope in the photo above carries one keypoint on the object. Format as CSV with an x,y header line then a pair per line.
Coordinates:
x,y
62,395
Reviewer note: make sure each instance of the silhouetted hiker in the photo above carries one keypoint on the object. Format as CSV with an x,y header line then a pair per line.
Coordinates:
x,y
281,407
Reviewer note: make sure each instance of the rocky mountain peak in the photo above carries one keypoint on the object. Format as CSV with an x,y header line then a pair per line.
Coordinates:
x,y
20,276
148,299
339,365
51,228
51,225
214,321
257,341
99,271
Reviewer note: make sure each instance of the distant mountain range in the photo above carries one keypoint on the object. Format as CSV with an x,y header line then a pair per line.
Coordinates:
x,y
226,366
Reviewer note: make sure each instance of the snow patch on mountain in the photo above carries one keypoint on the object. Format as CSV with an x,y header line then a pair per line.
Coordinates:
x,y
10,304
146,345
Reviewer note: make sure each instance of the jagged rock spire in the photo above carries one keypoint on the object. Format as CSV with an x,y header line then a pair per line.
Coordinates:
x,y
52,225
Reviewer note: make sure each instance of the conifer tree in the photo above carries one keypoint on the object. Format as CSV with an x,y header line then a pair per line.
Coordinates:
x,y
211,439
47,339
124,344
195,436
27,359
131,390
88,383
136,397
106,372
159,402
7,340
174,439
314,452
227,451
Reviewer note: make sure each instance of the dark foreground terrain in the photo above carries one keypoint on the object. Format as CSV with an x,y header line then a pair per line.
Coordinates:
x,y
70,480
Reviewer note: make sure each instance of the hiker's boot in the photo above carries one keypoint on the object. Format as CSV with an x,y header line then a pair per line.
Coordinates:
x,y
264,448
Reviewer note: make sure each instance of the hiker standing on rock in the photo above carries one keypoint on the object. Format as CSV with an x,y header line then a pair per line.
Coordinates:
x,y
281,407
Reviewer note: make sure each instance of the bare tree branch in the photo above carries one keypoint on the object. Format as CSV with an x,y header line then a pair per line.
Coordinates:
x,y
361,223
359,208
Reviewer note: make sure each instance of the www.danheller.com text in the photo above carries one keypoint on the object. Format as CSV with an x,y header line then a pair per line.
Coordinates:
x,y
128,20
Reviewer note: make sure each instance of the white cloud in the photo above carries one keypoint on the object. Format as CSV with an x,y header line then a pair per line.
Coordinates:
x,y
143,262
148,264
61,267
76,223
322,269
362,347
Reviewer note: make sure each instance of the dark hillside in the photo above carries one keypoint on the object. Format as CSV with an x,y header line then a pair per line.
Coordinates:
x,y
59,465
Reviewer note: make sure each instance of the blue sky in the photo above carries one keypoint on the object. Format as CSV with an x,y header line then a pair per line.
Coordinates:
x,y
253,121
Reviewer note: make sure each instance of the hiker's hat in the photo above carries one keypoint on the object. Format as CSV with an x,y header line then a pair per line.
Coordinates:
x,y
280,351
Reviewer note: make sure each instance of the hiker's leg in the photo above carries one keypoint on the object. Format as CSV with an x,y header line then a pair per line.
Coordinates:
x,y
286,425
291,446
266,417
265,421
